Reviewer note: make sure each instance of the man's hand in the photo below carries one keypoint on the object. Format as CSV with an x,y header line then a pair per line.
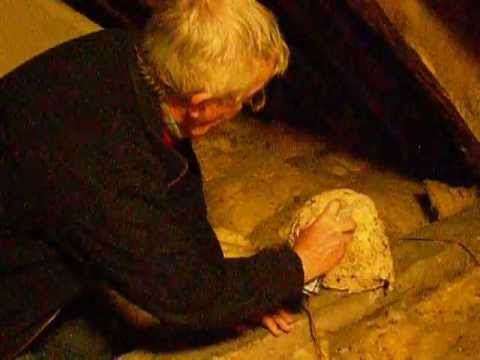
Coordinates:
x,y
278,322
322,245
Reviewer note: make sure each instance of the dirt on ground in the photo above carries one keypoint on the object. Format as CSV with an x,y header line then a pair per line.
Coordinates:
x,y
442,325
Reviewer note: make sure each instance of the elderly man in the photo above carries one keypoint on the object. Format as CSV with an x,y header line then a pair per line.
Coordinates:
x,y
100,186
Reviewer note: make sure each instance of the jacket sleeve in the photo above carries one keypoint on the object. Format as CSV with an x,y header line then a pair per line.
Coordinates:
x,y
160,253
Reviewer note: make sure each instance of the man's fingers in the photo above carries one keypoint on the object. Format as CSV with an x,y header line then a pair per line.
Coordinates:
x,y
332,208
286,316
347,240
271,325
282,323
278,322
347,225
339,252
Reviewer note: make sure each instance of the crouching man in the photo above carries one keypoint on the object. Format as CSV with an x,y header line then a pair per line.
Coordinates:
x,y
100,186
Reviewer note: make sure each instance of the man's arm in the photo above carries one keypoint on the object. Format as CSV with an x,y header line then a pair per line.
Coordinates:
x,y
320,247
322,244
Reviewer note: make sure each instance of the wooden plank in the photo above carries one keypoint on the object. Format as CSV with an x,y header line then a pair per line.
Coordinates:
x,y
403,24
366,70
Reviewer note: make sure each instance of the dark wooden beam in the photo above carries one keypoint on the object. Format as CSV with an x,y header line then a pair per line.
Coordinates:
x,y
426,131
373,15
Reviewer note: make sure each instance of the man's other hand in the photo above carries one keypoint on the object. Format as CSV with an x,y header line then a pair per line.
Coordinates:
x,y
278,323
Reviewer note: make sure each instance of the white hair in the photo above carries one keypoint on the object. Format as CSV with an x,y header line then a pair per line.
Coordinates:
x,y
213,46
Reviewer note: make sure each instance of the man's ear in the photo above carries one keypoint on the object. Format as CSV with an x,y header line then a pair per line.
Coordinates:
x,y
195,103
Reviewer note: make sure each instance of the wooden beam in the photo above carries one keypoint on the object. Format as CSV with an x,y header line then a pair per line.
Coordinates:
x,y
376,67
463,128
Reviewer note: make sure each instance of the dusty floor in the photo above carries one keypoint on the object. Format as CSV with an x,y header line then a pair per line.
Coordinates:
x,y
442,325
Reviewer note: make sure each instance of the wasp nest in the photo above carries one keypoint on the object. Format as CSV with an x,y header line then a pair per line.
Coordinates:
x,y
367,263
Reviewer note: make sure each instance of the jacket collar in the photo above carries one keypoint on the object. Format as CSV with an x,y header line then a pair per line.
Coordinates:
x,y
150,112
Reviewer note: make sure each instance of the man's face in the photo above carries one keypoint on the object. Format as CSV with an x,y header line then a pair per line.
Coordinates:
x,y
210,115
212,112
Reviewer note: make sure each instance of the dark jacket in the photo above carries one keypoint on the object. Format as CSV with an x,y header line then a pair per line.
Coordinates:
x,y
91,193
